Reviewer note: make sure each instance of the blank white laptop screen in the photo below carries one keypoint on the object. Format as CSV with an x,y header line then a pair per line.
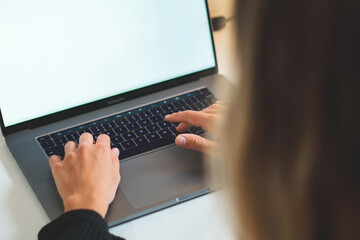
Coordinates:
x,y
59,54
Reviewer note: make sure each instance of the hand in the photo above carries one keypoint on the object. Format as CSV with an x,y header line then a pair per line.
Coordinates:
x,y
204,119
89,175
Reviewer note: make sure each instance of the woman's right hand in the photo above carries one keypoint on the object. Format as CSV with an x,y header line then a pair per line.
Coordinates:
x,y
204,119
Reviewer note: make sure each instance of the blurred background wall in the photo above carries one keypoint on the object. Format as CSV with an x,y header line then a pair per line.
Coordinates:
x,y
221,8
225,39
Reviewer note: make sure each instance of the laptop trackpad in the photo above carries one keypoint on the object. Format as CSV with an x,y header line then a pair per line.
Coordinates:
x,y
161,176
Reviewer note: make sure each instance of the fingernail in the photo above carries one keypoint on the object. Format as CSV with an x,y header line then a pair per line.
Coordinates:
x,y
181,141
116,151
167,116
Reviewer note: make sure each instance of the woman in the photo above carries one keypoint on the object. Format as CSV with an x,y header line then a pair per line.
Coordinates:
x,y
291,137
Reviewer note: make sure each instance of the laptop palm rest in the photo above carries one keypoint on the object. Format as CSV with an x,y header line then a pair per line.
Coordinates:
x,y
161,176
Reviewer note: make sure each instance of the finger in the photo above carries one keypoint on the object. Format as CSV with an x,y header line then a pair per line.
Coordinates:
x,y
115,161
194,142
215,108
221,104
115,158
183,127
86,138
103,139
70,147
53,160
194,118
213,112
211,109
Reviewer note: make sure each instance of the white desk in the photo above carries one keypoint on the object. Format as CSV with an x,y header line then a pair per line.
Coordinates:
x,y
21,215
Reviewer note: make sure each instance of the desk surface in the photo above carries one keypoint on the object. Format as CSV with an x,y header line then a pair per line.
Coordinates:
x,y
21,215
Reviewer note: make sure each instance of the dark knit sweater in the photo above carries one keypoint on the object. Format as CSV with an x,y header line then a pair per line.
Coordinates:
x,y
78,224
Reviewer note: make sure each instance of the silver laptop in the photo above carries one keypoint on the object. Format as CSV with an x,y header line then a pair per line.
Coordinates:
x,y
112,67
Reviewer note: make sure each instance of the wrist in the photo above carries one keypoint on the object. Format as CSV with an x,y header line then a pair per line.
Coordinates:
x,y
76,202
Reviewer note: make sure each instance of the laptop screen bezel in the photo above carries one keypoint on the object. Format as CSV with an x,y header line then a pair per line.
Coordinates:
x,y
96,105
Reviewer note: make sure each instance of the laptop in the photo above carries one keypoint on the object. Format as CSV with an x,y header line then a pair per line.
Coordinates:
x,y
108,67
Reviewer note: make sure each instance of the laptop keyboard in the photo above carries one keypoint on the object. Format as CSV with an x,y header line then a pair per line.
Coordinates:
x,y
136,131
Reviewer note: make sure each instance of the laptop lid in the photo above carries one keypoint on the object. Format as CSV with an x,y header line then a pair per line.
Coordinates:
x,y
63,58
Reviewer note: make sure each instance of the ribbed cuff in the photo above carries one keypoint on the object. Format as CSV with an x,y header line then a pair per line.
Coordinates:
x,y
77,224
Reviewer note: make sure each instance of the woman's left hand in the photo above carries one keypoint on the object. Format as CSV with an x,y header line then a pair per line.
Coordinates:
x,y
89,175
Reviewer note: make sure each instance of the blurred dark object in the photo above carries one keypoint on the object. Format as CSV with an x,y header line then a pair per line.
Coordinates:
x,y
218,23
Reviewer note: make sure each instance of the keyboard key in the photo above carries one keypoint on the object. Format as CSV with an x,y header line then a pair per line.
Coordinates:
x,y
189,107
133,118
199,105
173,130
110,133
179,104
145,114
83,131
190,100
128,144
72,137
153,128
144,122
141,132
204,90
165,132
117,139
132,126
95,136
197,130
153,136
120,130
56,135
60,140
204,96
47,144
195,108
54,150
109,125
212,100
121,122
178,110
164,115
165,124
168,108
156,119
157,111
120,147
61,155
44,139
128,135
97,129
140,140
205,103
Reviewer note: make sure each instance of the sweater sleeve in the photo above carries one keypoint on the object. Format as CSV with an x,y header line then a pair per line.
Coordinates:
x,y
77,224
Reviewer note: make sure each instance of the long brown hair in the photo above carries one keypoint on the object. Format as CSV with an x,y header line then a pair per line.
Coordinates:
x,y
293,135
